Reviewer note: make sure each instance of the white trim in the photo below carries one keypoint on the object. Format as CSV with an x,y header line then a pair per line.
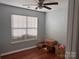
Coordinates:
x,y
15,51
21,41
71,54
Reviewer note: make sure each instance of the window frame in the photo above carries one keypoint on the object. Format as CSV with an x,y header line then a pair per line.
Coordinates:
x,y
23,40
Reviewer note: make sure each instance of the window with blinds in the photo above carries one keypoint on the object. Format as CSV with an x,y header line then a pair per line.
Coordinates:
x,y
24,27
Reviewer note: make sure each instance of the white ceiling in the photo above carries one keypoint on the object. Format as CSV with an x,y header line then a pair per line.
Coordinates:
x,y
31,4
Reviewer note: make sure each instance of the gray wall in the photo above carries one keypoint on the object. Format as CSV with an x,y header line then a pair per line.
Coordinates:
x,y
5,27
56,24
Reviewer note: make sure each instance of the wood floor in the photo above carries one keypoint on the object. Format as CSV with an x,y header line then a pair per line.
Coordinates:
x,y
32,54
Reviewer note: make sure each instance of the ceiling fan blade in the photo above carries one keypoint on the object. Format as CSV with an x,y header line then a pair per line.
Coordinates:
x,y
54,3
47,7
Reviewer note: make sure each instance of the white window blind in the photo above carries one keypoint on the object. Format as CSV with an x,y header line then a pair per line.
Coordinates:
x,y
24,27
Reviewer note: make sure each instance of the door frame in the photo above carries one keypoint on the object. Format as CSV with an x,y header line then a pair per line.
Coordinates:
x,y
72,29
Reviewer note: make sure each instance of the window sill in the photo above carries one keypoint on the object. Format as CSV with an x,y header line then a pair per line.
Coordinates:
x,y
21,41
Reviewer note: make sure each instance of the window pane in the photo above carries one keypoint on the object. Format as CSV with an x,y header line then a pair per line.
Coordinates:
x,y
18,33
32,22
32,33
18,21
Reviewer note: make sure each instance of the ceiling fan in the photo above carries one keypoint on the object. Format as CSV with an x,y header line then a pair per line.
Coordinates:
x,y
41,4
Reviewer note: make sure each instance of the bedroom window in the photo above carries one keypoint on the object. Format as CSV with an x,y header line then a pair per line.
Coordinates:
x,y
23,27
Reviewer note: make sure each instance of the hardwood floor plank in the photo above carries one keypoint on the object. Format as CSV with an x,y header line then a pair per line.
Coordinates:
x,y
34,53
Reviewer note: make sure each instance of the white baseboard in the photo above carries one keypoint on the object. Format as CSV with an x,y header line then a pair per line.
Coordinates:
x,y
67,54
70,54
73,54
15,51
